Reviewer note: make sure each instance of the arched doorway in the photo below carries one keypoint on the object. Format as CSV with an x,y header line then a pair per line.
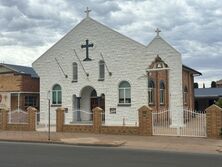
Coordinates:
x,y
89,99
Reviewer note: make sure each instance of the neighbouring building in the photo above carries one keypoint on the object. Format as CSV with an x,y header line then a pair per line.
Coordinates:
x,y
93,65
219,84
19,87
205,97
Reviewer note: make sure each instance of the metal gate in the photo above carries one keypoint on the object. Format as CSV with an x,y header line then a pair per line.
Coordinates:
x,y
194,124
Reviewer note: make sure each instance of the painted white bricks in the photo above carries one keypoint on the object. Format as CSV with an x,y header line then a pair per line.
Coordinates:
x,y
125,58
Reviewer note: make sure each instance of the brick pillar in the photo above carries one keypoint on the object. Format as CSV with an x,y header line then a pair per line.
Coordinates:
x,y
60,119
32,118
145,121
214,121
97,119
4,118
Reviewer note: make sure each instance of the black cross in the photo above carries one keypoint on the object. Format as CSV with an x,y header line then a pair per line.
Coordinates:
x,y
87,45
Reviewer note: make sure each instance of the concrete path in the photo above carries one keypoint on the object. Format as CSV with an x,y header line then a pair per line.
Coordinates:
x,y
180,144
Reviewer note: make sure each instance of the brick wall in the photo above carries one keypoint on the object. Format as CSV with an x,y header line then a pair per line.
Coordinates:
x,y
144,128
30,125
10,82
158,76
188,81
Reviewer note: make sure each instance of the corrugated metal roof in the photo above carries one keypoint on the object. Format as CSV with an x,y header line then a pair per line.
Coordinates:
x,y
208,92
21,69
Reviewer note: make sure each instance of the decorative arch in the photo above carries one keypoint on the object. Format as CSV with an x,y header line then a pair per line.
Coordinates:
x,y
158,63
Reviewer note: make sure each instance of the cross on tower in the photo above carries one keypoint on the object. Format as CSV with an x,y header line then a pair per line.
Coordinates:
x,y
87,12
157,31
87,45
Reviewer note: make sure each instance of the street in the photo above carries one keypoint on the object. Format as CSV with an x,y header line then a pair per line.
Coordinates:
x,y
45,155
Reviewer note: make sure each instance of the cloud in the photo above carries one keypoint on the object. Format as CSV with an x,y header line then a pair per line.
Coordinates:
x,y
194,27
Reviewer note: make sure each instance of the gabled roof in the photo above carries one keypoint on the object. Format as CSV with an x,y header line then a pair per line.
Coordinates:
x,y
191,70
158,38
21,69
207,92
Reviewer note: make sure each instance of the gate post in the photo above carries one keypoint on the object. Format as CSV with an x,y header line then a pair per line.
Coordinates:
x,y
145,121
97,119
214,121
4,118
60,119
32,118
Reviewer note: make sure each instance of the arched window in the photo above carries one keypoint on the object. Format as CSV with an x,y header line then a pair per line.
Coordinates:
x,y
101,70
185,94
124,92
151,87
56,94
162,92
75,71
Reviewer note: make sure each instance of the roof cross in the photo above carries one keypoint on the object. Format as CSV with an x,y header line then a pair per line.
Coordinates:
x,y
87,12
157,31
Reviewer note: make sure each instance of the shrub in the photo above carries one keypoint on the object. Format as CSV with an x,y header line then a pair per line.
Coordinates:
x,y
219,103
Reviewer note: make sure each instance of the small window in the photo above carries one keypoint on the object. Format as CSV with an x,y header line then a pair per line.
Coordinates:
x,y
185,94
151,87
162,92
101,70
31,101
56,94
75,72
124,93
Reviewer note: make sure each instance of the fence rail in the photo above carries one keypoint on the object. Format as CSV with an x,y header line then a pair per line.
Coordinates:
x,y
18,117
80,117
193,124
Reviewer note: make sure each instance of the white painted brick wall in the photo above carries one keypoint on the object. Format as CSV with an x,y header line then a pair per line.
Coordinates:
x,y
126,59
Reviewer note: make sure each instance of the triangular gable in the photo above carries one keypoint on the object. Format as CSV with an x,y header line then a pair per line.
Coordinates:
x,y
161,43
5,70
97,24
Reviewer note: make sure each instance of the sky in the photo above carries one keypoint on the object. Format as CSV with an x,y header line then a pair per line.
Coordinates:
x,y
194,27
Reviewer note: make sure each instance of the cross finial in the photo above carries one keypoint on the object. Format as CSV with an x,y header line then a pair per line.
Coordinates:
x,y
87,12
157,31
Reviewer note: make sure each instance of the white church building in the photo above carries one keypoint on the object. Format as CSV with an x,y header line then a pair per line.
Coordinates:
x,y
93,65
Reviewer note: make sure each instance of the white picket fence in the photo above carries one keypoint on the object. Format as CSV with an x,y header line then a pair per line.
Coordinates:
x,y
194,124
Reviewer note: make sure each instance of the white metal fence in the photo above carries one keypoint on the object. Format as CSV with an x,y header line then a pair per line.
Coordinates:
x,y
79,117
194,124
18,117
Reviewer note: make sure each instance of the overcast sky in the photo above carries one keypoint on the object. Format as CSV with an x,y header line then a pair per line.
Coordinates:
x,y
194,27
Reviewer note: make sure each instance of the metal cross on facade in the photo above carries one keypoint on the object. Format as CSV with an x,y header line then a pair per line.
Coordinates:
x,y
157,31
87,12
87,45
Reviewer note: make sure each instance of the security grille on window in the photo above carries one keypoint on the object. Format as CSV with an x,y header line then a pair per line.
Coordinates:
x,y
162,92
101,70
30,101
56,94
75,71
151,87
124,93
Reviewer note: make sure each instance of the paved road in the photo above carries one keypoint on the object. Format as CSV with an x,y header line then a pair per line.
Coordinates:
x,y
51,155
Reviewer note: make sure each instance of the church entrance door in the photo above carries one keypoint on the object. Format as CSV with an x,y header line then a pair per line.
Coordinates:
x,y
97,101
